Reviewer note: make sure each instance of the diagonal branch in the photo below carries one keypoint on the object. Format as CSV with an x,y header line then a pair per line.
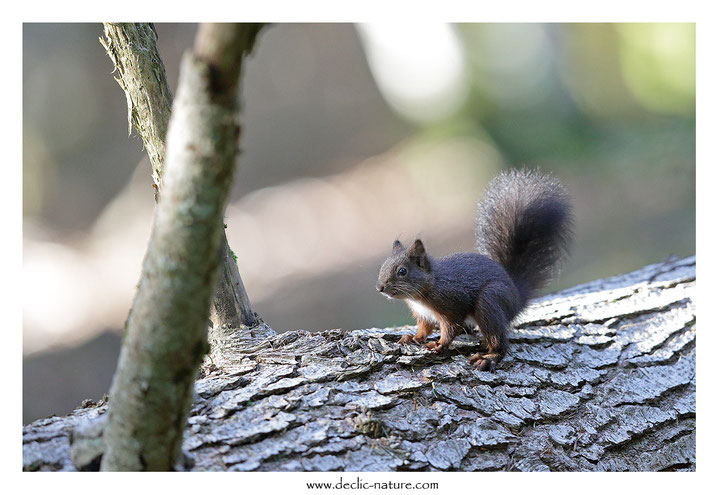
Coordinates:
x,y
165,340
132,47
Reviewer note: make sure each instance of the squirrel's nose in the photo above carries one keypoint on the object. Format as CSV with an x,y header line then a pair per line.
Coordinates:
x,y
380,288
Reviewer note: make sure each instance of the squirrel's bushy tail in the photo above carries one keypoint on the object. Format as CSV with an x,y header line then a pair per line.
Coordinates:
x,y
524,222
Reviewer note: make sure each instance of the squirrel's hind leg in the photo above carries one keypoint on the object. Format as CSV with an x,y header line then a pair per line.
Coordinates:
x,y
493,324
485,362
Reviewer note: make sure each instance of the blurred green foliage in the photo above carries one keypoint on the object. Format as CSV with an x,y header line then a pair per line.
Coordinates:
x,y
608,107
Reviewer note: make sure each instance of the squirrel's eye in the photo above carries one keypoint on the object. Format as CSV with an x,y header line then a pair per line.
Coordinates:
x,y
402,271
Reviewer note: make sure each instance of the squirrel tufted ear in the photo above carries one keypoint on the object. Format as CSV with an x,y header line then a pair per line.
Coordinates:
x,y
417,248
397,247
418,254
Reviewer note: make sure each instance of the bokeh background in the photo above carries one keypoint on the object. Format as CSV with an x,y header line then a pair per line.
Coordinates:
x,y
354,135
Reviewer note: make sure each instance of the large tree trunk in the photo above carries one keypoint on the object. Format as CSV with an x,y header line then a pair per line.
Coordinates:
x,y
600,377
166,331
132,47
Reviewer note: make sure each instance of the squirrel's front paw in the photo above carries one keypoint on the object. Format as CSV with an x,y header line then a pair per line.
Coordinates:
x,y
486,362
435,347
406,339
410,339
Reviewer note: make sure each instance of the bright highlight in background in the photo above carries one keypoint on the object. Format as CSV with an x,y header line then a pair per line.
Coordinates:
x,y
419,68
659,65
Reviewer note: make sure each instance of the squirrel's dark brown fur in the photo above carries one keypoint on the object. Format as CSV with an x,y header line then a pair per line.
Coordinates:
x,y
524,227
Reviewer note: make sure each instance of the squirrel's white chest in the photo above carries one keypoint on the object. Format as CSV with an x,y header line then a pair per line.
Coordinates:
x,y
422,311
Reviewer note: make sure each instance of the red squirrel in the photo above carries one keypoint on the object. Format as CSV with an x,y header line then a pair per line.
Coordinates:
x,y
524,230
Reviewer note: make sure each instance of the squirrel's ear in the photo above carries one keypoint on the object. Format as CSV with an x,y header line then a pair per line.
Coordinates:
x,y
397,247
418,254
417,248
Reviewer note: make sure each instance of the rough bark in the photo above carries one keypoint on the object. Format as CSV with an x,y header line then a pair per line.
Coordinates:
x,y
133,50
166,331
132,47
600,377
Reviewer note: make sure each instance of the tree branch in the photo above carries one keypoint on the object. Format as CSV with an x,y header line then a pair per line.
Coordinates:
x,y
132,47
166,331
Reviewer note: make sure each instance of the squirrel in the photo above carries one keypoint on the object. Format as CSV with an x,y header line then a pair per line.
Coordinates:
x,y
523,231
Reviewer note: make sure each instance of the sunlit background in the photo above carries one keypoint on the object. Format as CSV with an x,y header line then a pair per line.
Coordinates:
x,y
353,136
